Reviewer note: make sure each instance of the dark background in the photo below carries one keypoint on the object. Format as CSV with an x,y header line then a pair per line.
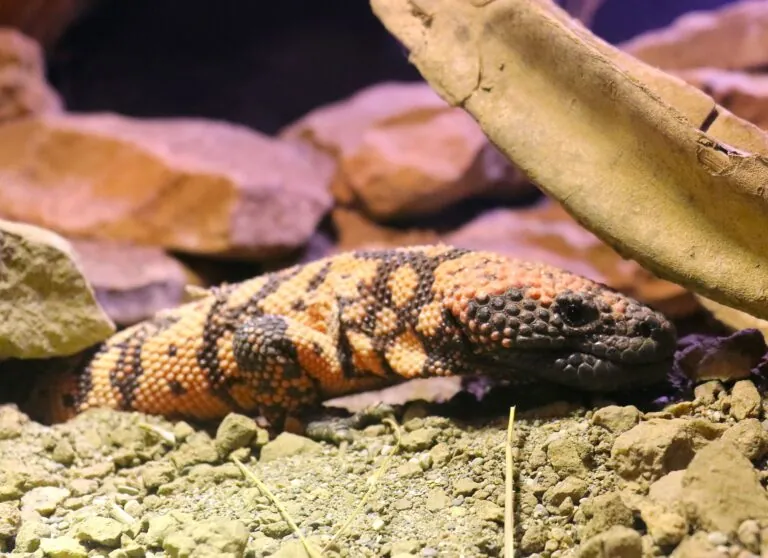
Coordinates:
x,y
258,63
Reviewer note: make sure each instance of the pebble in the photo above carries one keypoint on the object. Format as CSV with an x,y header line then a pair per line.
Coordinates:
x,y
437,499
44,500
62,547
745,400
102,531
616,419
235,431
420,439
569,456
287,444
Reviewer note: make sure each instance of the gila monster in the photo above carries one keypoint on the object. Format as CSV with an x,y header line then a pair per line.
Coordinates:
x,y
282,342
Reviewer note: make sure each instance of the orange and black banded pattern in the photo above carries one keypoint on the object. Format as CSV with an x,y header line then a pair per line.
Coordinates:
x,y
282,342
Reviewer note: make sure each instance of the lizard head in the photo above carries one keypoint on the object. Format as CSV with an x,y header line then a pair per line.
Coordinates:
x,y
560,327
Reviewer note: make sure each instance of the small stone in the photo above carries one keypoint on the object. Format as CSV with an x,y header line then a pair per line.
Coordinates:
x,y
29,535
745,400
707,392
668,490
617,419
182,430
44,500
63,452
405,547
193,453
158,473
748,534
488,511
570,487
287,444
420,439
102,531
534,539
465,487
9,520
667,529
62,547
11,419
437,499
721,489
606,511
750,437
569,456
97,470
440,453
159,527
658,446
697,546
235,431
616,541
214,537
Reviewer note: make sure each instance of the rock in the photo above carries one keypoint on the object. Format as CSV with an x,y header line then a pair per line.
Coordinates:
x,y
436,500
12,422
62,547
658,446
402,151
534,538
101,531
616,419
29,535
668,490
287,444
721,489
666,528
191,185
546,232
726,358
745,400
24,90
697,545
616,541
748,534
465,487
605,511
235,431
10,519
708,392
214,537
420,439
695,39
44,500
48,307
570,487
569,455
195,452
133,282
488,511
750,437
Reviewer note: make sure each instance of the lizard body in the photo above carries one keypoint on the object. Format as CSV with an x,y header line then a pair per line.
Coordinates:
x,y
279,343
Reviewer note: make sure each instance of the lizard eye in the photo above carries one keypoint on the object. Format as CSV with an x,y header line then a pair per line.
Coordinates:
x,y
575,311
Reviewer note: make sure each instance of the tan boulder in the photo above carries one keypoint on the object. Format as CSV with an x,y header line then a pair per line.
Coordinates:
x,y
133,282
48,307
699,39
402,151
185,184
23,88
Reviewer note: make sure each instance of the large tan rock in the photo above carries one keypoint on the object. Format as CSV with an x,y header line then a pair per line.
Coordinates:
x,y
402,151
133,282
48,308
23,88
648,163
186,184
734,36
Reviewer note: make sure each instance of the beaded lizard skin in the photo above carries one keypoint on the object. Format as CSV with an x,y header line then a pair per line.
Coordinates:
x,y
282,342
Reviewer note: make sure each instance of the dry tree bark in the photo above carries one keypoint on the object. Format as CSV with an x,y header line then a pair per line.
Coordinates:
x,y
645,161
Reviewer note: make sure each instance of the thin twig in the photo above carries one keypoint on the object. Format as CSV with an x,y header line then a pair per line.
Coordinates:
x,y
509,492
311,550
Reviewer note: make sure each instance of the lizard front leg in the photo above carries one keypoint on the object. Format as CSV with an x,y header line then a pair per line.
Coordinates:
x,y
287,363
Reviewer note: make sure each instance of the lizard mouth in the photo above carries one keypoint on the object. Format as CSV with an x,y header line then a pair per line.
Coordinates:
x,y
579,370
